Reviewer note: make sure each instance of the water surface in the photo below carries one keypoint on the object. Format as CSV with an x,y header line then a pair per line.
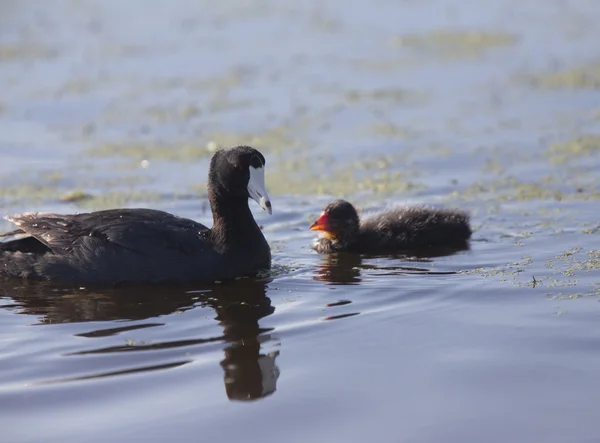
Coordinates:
x,y
489,106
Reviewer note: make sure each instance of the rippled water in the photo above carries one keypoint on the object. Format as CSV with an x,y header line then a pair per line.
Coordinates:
x,y
489,106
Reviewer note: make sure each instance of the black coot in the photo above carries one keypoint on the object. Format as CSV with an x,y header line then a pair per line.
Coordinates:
x,y
146,245
395,230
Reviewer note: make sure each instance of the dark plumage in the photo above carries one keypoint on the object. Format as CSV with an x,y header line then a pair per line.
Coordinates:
x,y
395,230
146,245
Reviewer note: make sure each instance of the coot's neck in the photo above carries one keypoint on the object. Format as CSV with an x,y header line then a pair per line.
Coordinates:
x,y
349,236
346,243
233,223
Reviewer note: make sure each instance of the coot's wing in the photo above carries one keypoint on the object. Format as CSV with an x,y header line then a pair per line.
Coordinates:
x,y
416,227
17,234
144,231
124,245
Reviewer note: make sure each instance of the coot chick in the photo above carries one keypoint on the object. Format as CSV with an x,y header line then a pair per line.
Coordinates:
x,y
399,229
149,246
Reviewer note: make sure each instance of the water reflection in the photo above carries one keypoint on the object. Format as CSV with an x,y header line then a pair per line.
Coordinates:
x,y
345,268
340,268
249,372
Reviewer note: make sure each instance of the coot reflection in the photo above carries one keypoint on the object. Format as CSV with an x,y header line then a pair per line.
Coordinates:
x,y
250,372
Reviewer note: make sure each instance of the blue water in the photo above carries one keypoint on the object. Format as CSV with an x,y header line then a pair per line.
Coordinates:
x,y
493,344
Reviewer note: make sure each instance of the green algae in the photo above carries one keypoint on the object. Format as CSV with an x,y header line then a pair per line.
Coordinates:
x,y
493,166
51,177
218,84
513,189
594,230
580,77
25,51
569,264
78,86
117,51
454,43
574,261
131,164
507,272
380,65
376,163
278,269
162,150
178,113
561,269
573,150
391,131
76,195
115,182
122,198
326,24
223,104
49,186
273,140
321,176
385,95
30,193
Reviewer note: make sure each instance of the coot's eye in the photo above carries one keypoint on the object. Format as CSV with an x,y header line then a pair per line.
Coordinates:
x,y
256,162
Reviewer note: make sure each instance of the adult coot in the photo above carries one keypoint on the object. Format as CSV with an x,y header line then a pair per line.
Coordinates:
x,y
400,229
145,245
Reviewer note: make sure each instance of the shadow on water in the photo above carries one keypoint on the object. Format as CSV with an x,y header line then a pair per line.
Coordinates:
x,y
248,373
345,268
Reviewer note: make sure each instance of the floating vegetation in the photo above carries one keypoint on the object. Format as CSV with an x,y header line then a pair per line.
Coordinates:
x,y
508,189
594,292
504,272
391,131
573,150
116,51
512,189
594,230
76,196
573,261
218,84
25,51
177,113
274,140
326,24
321,177
389,95
140,150
222,103
11,194
77,86
49,187
380,65
454,43
278,269
117,199
494,167
581,77
560,272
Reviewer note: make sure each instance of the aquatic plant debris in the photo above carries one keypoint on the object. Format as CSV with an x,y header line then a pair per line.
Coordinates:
x,y
575,149
561,269
586,76
454,43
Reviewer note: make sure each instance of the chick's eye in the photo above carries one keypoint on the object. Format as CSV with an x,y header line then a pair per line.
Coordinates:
x,y
255,162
